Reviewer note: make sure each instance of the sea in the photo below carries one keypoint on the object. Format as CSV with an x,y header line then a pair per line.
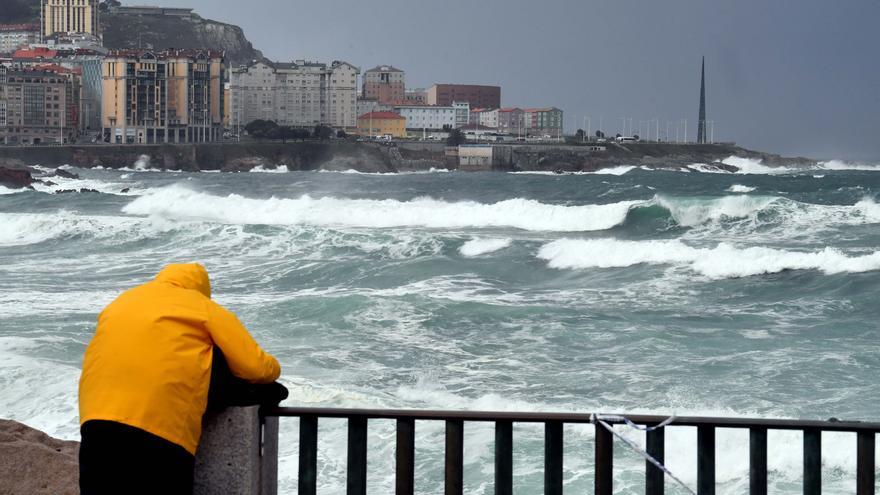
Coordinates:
x,y
695,291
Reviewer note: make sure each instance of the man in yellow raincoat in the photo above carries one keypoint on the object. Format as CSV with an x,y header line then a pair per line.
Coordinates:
x,y
146,377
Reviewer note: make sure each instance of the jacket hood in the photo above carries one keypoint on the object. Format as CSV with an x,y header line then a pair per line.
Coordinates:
x,y
188,276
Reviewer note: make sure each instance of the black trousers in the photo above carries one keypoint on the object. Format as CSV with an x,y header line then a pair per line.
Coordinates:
x,y
116,458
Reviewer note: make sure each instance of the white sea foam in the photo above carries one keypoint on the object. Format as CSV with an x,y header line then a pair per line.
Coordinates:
x,y
619,170
37,392
706,168
142,163
178,202
5,190
62,183
280,169
754,166
842,165
19,229
722,261
870,209
739,188
476,247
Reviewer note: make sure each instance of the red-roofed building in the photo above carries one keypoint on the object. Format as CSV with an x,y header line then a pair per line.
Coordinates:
x,y
34,54
510,120
381,123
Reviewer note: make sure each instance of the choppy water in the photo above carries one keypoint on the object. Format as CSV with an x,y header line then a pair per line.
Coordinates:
x,y
629,291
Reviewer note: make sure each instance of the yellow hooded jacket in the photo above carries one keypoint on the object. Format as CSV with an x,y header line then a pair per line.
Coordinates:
x,y
149,362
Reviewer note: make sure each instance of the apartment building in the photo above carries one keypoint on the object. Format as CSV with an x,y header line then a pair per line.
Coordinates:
x,y
476,95
543,121
69,16
14,36
39,105
462,113
172,96
510,120
417,96
386,84
299,94
426,117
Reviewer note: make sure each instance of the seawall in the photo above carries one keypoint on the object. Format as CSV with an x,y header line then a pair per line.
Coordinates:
x,y
227,157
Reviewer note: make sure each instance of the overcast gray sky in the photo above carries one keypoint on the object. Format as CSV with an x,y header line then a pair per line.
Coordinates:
x,y
795,77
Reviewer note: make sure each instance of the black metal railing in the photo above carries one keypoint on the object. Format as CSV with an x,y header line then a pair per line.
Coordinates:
x,y
553,450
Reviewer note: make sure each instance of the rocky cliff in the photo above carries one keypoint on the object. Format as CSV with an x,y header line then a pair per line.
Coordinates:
x,y
161,32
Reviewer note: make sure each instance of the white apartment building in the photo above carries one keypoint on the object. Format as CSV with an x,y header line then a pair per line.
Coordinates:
x,y
489,118
425,117
13,36
299,94
462,113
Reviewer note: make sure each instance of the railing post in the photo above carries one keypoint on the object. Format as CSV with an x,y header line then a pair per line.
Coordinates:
x,y
812,461
653,475
357,455
758,461
553,458
406,446
866,465
454,484
308,454
503,457
604,461
229,455
705,460
269,454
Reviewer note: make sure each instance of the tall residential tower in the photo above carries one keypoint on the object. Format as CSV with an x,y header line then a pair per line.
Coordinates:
x,y
69,16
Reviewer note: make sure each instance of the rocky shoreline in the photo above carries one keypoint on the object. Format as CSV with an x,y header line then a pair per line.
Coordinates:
x,y
373,157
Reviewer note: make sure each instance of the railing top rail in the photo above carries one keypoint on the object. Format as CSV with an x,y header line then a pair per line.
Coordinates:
x,y
541,417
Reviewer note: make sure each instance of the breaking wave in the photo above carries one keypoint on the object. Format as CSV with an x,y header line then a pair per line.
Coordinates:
x,y
5,190
17,229
842,165
739,188
477,247
177,202
722,261
280,169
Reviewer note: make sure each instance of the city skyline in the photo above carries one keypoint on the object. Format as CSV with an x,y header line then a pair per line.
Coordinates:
x,y
788,77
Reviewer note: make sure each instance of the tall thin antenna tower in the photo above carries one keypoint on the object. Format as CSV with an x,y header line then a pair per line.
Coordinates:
x,y
701,127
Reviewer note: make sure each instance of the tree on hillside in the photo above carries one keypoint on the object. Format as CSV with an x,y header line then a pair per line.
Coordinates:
x,y
19,11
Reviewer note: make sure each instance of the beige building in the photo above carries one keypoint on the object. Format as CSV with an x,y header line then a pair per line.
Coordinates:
x,y
39,105
298,94
175,96
381,124
69,16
